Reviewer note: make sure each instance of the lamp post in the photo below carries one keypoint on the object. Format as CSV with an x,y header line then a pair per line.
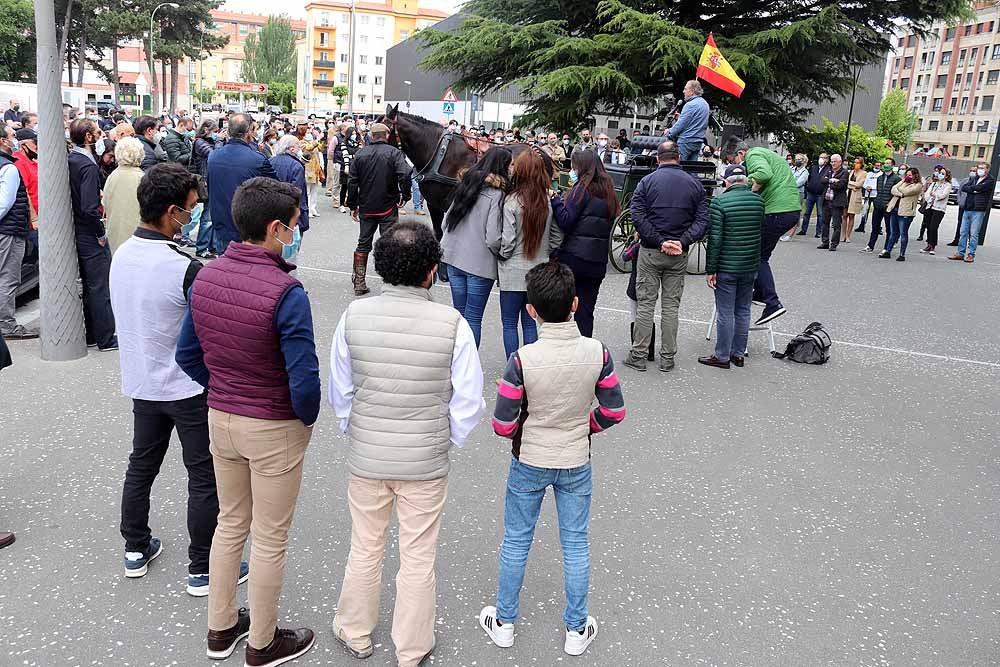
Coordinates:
x,y
152,72
909,135
409,87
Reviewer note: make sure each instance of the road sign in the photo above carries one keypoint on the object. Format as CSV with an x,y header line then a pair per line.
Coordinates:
x,y
241,87
449,96
449,107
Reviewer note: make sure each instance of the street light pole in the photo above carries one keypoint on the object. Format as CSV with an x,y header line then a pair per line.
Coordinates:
x,y
409,87
350,66
909,135
152,72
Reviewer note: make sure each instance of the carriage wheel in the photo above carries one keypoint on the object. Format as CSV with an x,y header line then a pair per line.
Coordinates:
x,y
621,233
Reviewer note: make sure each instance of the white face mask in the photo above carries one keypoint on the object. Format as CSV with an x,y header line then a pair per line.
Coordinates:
x,y
602,142
980,172
822,161
99,146
160,136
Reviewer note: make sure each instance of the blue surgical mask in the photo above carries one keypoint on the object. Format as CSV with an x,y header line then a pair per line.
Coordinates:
x,y
289,250
15,145
215,136
573,177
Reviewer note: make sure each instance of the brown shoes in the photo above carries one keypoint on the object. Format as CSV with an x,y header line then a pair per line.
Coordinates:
x,y
969,259
286,646
222,643
360,269
6,539
713,361
736,361
957,257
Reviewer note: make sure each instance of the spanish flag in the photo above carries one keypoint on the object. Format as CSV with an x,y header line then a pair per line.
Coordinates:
x,y
713,68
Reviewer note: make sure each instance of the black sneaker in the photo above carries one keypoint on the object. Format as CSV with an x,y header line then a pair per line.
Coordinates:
x,y
885,254
770,314
110,348
222,643
823,246
285,647
901,258
206,254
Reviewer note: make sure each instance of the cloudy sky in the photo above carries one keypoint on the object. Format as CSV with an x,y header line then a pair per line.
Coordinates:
x,y
296,8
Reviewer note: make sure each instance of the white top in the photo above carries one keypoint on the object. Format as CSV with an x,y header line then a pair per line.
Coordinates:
x,y
148,299
466,405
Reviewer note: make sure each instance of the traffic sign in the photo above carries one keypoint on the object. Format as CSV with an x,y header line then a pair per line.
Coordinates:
x,y
241,87
449,96
449,107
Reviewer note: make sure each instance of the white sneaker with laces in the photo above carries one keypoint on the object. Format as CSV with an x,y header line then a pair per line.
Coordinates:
x,y
502,635
785,239
576,642
343,209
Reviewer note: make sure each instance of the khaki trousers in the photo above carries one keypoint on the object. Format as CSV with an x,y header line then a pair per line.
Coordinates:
x,y
658,275
258,471
418,507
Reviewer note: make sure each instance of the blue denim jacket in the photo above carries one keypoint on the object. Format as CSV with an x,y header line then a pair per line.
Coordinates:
x,y
693,121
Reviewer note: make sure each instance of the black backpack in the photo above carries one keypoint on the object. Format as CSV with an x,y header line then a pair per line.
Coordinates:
x,y
812,346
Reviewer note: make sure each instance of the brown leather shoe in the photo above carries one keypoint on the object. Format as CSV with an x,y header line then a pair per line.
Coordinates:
x,y
286,646
957,257
6,539
736,361
969,259
222,643
713,361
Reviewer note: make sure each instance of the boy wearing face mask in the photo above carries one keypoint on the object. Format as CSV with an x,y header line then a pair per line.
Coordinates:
x,y
248,337
815,188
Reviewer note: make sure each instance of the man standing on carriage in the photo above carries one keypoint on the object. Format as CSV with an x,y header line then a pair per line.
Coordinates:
x,y
379,185
689,129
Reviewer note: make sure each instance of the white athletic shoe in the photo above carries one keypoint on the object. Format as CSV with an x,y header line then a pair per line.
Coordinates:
x,y
343,209
785,239
577,643
502,635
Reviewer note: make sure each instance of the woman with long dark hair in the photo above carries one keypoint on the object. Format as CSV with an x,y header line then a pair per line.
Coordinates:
x,y
475,213
585,216
206,140
524,241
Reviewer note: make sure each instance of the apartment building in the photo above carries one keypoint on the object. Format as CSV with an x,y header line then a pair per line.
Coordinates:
x,y
326,54
952,80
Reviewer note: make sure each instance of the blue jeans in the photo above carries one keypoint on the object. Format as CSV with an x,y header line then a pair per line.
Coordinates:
x,y
899,230
968,238
469,295
689,150
525,491
418,200
773,228
733,292
512,309
811,202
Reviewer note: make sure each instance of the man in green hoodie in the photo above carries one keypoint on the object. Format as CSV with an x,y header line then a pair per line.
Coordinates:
x,y
769,175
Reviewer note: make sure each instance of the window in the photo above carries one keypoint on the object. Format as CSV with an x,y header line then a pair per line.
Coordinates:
x,y
966,150
901,42
958,83
951,124
953,105
975,105
942,81
968,30
344,37
964,106
989,27
968,81
324,39
981,151
379,60
938,103
343,58
324,19
244,29
361,98
380,22
911,40
961,125
996,52
961,57
974,55
950,34
945,57
363,60
343,78
987,103
378,99
954,150
364,19
933,125
979,82
979,28
362,78
345,19
364,39
378,80
322,76
908,62
904,83
324,55
403,34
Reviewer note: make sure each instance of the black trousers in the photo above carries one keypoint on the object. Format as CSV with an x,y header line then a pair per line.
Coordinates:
x,y
366,233
932,219
95,270
154,422
587,289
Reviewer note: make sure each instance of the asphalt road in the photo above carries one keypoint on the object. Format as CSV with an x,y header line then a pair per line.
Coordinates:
x,y
778,515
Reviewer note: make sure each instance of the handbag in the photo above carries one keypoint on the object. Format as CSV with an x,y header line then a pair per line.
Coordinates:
x,y
922,206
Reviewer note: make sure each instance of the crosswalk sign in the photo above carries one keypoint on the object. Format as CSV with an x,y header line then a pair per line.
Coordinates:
x,y
449,96
449,107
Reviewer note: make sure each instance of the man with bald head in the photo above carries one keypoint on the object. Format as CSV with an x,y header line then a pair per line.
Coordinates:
x,y
228,167
833,207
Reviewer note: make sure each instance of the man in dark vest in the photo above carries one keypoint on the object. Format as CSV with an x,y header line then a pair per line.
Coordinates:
x,y
15,221
249,338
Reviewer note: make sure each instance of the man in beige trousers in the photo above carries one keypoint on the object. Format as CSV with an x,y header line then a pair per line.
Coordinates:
x,y
406,383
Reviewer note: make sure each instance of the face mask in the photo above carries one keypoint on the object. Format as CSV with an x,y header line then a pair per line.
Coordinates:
x,y
189,134
17,107
586,140
180,225
908,178
14,145
99,146
510,137
979,172
798,163
566,142
289,250
822,161
272,141
940,176
602,142
160,136
972,174
895,170
32,155
215,136
573,177
887,168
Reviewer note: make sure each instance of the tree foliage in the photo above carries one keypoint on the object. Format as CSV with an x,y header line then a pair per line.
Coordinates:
x,y
340,94
270,56
895,121
572,59
17,40
281,93
830,139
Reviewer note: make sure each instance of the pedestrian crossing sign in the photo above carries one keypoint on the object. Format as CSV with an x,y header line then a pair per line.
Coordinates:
x,y
449,96
449,107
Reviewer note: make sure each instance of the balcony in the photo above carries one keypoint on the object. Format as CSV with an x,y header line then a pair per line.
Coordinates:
x,y
325,64
320,83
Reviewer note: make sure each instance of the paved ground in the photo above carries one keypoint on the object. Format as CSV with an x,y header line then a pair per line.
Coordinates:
x,y
778,515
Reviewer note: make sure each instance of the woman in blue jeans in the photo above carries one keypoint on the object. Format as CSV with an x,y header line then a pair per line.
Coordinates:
x,y
902,207
524,241
585,216
474,216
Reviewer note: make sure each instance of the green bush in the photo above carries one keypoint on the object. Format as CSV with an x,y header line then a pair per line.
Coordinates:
x,y
830,139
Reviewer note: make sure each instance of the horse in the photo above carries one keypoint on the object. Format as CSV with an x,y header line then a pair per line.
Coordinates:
x,y
439,160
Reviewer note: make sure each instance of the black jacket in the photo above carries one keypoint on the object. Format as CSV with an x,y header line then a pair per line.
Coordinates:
x,y
200,151
17,221
380,178
814,183
980,194
586,223
85,191
670,205
178,147
150,157
883,189
837,181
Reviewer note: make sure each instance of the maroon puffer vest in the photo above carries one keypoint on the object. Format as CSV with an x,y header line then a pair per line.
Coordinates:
x,y
233,304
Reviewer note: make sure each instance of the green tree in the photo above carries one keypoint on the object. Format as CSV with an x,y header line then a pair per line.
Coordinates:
x,y
574,59
17,40
205,95
830,139
184,32
281,93
894,119
270,56
340,94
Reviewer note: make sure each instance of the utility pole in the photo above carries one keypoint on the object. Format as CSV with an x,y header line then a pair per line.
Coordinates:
x,y
350,66
62,332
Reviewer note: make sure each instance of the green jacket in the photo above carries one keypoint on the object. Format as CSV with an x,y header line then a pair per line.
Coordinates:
x,y
177,147
734,239
779,190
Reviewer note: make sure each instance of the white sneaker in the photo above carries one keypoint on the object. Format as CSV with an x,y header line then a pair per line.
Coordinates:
x,y
313,214
785,239
502,635
343,209
577,643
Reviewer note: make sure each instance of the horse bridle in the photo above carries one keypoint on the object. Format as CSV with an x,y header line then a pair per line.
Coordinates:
x,y
430,172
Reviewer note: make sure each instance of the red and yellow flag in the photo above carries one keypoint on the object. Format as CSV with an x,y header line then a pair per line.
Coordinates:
x,y
713,68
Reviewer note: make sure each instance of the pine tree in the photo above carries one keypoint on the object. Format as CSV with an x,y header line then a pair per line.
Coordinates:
x,y
270,56
572,59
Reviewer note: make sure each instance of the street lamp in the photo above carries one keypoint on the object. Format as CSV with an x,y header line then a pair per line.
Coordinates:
x,y
152,72
914,106
409,87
